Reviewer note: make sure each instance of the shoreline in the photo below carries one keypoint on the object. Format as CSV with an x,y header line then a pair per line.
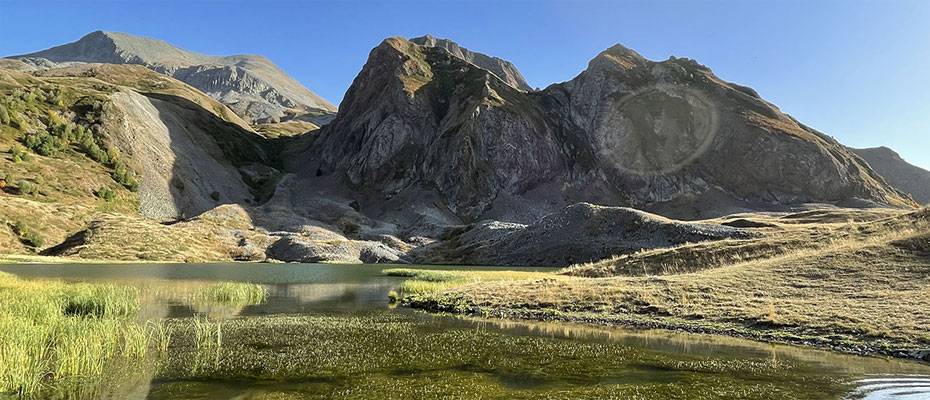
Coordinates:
x,y
921,356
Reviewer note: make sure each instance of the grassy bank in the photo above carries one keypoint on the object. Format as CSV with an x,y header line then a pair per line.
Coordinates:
x,y
428,281
60,337
53,333
862,287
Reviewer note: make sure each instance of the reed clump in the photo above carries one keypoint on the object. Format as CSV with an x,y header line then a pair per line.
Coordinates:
x,y
52,333
233,293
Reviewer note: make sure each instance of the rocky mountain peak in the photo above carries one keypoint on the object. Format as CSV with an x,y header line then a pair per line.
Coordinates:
x,y
422,124
503,69
882,151
617,55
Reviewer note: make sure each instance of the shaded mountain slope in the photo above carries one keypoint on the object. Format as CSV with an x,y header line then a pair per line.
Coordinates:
x,y
578,233
903,176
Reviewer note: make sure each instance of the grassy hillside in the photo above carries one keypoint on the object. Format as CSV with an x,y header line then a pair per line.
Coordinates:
x,y
857,285
140,79
57,168
66,174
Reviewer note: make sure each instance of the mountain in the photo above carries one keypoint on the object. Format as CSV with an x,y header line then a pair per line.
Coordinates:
x,y
901,175
250,85
501,68
422,132
430,158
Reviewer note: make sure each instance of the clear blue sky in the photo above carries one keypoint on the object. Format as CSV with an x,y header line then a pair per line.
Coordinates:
x,y
857,70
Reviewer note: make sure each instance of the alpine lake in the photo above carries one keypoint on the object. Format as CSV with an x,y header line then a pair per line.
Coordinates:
x,y
329,331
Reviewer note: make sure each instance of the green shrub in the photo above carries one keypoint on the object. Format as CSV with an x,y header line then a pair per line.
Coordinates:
x,y
27,187
43,143
19,122
4,115
106,194
124,176
89,146
54,98
27,235
19,153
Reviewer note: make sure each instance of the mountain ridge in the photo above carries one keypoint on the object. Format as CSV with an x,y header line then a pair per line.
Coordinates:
x,y
420,120
901,174
251,85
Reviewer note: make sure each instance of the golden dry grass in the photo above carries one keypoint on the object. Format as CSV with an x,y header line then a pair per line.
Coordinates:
x,y
868,291
209,237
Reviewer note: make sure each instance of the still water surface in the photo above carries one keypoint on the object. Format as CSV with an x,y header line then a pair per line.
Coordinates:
x,y
349,343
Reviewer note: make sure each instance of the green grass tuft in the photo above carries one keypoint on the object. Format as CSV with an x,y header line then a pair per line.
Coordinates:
x,y
53,333
234,293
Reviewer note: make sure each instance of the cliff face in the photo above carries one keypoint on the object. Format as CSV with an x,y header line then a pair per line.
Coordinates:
x,y
250,85
900,174
419,117
668,135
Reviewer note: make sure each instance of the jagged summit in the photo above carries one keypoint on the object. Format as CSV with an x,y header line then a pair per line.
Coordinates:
x,y
252,86
503,69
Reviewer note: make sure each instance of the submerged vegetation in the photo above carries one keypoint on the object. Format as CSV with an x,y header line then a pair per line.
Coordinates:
x,y
382,355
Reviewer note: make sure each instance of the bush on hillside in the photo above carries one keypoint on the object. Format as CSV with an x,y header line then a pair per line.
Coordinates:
x,y
19,153
124,176
4,115
43,143
27,187
106,194
17,121
27,235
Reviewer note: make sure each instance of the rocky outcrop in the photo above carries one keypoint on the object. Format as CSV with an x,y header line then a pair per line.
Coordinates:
x,y
296,249
420,123
252,86
501,68
900,174
578,233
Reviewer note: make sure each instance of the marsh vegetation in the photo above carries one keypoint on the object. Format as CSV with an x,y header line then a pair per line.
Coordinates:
x,y
55,336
